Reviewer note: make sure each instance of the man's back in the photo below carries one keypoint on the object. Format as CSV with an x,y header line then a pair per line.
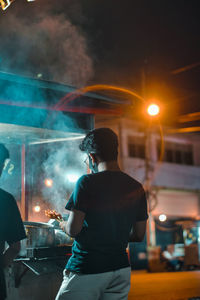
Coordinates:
x,y
11,230
105,208
112,201
6,203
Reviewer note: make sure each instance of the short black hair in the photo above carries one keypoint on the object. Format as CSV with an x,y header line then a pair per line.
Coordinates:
x,y
101,141
4,153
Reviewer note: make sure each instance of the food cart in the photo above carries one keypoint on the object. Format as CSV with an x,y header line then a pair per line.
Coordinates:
x,y
43,168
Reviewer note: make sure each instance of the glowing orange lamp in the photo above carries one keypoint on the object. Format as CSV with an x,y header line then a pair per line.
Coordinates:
x,y
153,109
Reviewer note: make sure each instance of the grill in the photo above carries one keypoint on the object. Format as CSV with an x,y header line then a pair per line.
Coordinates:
x,y
48,252
41,261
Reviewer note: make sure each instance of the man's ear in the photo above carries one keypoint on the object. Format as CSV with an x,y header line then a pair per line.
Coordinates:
x,y
92,157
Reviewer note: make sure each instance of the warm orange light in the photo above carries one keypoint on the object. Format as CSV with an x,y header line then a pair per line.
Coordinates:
x,y
153,109
162,218
5,3
48,182
37,208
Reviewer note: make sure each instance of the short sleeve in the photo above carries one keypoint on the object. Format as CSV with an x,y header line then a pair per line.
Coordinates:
x,y
142,214
15,228
80,196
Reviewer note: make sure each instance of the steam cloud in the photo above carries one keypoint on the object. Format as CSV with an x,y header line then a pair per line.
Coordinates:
x,y
64,159
48,44
44,41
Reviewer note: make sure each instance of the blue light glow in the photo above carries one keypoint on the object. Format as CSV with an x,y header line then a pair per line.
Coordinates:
x,y
72,177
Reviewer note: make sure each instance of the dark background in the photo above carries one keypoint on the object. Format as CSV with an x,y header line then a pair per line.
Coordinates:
x,y
143,45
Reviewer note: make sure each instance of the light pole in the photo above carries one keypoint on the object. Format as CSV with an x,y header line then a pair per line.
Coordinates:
x,y
153,111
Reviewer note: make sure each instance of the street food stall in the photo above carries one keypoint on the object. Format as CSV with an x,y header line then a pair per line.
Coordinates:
x,y
44,166
42,124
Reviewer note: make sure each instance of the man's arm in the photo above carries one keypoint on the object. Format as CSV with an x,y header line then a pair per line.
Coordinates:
x,y
10,253
138,231
74,223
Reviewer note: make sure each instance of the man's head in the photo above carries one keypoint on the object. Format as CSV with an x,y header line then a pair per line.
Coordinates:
x,y
101,144
4,155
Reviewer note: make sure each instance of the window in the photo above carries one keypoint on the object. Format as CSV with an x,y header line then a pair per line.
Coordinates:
x,y
136,147
178,153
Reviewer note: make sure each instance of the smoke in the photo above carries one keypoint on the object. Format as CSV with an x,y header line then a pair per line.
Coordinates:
x,y
48,46
64,165
41,41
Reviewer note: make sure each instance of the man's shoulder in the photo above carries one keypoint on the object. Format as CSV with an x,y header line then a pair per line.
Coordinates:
x,y
7,201
118,176
83,179
93,176
5,195
131,180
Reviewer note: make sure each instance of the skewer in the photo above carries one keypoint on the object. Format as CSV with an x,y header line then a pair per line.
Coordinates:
x,y
53,214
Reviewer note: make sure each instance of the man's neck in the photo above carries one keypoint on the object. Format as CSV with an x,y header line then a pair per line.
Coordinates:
x,y
108,166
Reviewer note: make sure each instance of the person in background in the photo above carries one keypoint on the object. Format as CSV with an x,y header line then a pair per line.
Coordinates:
x,y
174,262
11,226
107,210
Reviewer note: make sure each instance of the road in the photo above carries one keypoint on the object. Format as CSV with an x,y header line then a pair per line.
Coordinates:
x,y
165,286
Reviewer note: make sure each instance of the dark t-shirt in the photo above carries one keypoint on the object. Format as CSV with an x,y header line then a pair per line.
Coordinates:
x,y
11,229
112,202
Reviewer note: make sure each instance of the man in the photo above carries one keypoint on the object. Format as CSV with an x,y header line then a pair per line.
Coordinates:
x,y
11,226
107,210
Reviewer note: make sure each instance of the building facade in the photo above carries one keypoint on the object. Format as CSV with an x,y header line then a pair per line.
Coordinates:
x,y
173,182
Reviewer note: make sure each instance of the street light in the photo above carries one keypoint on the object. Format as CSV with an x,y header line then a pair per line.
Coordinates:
x,y
162,218
153,109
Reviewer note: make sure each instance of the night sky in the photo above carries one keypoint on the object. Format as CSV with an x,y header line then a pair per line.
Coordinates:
x,y
135,44
155,36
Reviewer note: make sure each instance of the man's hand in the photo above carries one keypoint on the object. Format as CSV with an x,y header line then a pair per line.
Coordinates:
x,y
11,253
74,224
63,225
